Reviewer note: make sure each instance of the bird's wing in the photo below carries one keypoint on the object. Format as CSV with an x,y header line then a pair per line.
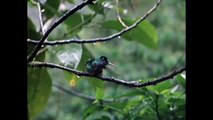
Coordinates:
x,y
90,60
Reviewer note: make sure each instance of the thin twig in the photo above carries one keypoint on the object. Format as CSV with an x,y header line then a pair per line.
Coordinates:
x,y
37,3
59,21
110,79
61,42
118,15
72,92
42,50
40,17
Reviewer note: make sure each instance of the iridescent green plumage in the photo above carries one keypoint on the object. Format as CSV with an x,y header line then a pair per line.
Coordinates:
x,y
96,66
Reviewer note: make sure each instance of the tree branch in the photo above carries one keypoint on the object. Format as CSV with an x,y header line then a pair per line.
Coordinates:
x,y
110,79
61,42
118,15
60,20
37,3
71,92
40,17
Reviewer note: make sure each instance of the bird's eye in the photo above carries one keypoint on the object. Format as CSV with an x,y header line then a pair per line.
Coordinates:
x,y
103,58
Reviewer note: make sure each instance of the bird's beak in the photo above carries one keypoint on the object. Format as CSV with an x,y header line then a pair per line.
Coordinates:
x,y
111,64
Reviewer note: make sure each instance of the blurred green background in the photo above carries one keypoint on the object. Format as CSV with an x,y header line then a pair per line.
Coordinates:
x,y
134,61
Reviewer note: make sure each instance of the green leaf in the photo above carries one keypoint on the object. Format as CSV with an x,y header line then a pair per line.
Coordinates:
x,y
159,88
178,102
31,30
130,94
117,105
181,79
74,23
51,8
71,1
98,86
133,103
145,33
86,55
98,7
57,34
69,76
99,93
39,89
90,110
32,34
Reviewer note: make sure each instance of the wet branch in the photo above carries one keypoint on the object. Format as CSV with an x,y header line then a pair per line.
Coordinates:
x,y
61,42
59,21
110,79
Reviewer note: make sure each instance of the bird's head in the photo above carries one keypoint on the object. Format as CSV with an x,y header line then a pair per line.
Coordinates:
x,y
105,61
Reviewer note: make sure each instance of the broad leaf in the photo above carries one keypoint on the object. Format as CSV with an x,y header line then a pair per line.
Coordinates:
x,y
90,110
32,34
75,23
86,55
58,33
31,30
145,33
99,92
98,7
117,105
39,89
133,103
160,87
51,8
98,86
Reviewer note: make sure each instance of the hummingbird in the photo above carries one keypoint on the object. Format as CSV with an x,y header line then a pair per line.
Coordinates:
x,y
95,66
